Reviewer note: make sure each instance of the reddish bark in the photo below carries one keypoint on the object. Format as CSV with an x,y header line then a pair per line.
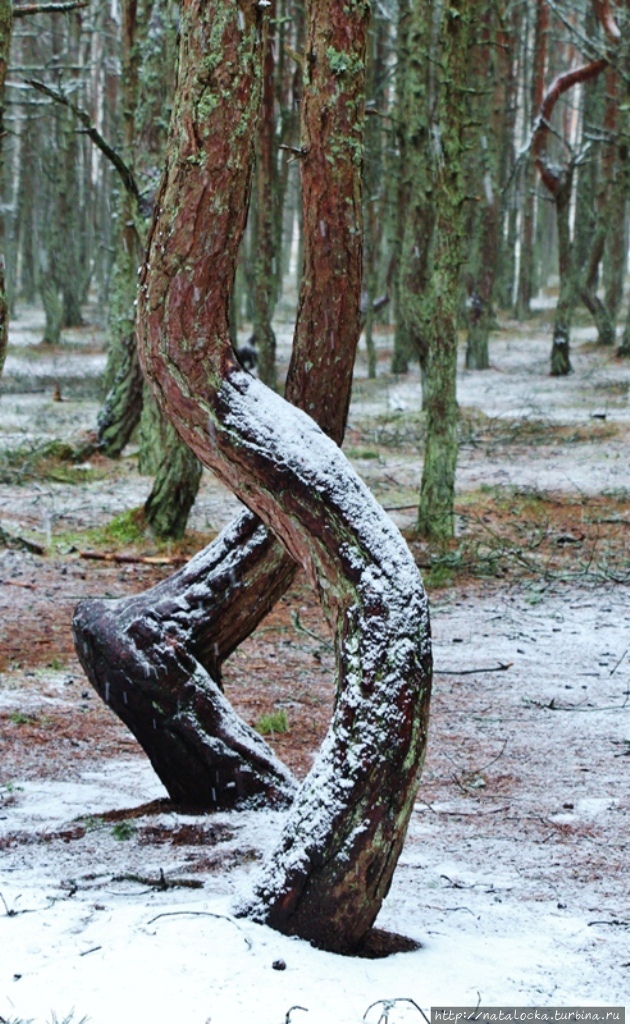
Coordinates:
x,y
219,599
333,866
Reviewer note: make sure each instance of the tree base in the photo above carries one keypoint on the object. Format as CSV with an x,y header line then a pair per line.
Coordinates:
x,y
560,361
204,754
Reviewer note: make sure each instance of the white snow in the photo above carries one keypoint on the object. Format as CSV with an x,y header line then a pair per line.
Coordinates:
x,y
509,913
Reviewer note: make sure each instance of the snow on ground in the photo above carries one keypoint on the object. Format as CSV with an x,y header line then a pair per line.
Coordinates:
x,y
513,876
514,873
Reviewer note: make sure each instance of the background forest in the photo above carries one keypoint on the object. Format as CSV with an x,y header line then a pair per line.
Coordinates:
x,y
489,416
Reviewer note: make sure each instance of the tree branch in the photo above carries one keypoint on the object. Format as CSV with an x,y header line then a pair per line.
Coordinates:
x,y
24,10
558,87
125,173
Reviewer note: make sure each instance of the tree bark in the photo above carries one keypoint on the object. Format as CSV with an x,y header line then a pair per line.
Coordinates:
x,y
209,615
265,255
6,24
437,489
332,868
490,75
559,183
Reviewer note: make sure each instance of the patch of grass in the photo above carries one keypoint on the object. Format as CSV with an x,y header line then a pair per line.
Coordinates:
x,y
11,787
53,460
477,430
528,534
91,822
277,721
130,531
20,718
123,830
361,453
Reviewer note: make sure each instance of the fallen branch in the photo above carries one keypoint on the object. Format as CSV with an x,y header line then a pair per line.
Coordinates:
x,y
388,1004
614,921
160,882
501,667
287,1016
17,583
23,10
110,556
201,913
9,540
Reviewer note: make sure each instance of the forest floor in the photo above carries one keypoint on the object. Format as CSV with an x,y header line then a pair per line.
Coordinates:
x,y
514,875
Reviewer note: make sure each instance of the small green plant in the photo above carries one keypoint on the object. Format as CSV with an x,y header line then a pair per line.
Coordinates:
x,y
123,830
275,722
10,787
91,822
20,718
55,664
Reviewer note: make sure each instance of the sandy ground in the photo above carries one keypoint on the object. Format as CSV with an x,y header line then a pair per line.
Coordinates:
x,y
514,875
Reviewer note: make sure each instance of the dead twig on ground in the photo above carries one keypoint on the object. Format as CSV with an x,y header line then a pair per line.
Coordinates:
x,y
201,913
161,882
9,540
388,1004
113,556
501,667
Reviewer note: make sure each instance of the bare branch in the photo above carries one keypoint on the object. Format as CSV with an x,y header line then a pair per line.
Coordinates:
x,y
125,172
24,10
558,87
607,21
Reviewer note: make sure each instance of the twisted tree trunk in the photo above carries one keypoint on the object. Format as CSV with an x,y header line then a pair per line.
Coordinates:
x,y
334,862
216,601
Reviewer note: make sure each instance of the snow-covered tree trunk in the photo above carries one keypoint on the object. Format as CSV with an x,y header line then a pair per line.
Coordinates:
x,y
335,859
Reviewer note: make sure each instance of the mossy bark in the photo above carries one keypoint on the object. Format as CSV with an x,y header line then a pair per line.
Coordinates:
x,y
417,182
490,79
432,274
403,351
177,473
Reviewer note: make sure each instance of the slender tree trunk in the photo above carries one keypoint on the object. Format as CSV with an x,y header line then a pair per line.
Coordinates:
x,y
559,182
603,201
263,294
567,297
326,879
418,186
489,80
402,347
121,410
6,24
437,304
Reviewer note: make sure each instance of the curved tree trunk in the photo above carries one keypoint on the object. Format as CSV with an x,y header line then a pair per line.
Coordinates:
x,y
121,410
216,601
333,865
